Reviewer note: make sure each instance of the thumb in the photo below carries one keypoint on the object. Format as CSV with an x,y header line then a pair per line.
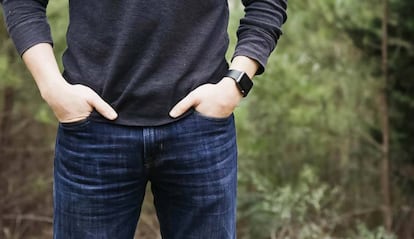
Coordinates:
x,y
101,106
183,106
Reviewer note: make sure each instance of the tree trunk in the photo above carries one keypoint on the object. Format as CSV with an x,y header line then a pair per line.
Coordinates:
x,y
385,127
5,118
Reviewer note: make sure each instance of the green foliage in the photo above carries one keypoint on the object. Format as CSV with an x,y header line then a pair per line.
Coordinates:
x,y
379,233
314,108
288,211
310,106
399,86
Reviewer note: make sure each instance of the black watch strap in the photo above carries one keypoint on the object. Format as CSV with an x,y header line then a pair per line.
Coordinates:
x,y
243,81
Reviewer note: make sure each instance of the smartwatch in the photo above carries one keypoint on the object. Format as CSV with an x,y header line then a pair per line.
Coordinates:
x,y
243,81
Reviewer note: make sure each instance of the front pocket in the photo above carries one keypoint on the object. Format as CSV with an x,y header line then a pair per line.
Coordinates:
x,y
211,118
75,125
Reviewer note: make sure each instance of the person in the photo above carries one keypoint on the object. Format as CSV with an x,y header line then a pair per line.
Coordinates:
x,y
146,95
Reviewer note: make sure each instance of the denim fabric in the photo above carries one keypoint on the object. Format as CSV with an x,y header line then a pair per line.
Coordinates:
x,y
101,171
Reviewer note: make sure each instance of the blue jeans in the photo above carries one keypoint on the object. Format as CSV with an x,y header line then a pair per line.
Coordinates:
x,y
101,171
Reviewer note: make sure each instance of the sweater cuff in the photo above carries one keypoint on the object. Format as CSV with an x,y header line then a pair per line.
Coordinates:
x,y
256,45
29,34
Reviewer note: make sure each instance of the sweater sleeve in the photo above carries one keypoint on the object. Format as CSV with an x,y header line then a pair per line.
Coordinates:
x,y
260,29
26,22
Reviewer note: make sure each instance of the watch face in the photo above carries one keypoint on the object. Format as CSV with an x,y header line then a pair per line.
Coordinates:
x,y
245,83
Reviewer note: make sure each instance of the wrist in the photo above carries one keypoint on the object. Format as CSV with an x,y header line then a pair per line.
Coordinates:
x,y
242,81
245,64
51,86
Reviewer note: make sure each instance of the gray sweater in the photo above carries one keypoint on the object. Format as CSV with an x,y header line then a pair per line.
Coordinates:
x,y
143,56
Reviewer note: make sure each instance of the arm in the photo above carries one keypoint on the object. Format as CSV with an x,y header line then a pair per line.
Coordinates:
x,y
27,25
257,37
260,29
217,100
26,22
70,103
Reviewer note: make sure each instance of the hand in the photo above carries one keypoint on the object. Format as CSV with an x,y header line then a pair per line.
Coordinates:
x,y
72,103
213,100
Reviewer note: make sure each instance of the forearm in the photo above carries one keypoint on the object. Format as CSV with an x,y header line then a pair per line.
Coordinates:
x,y
41,62
70,103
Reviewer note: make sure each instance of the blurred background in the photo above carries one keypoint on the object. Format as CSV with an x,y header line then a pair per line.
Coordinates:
x,y
326,138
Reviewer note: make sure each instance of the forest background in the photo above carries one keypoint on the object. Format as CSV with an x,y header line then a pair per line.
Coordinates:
x,y
325,138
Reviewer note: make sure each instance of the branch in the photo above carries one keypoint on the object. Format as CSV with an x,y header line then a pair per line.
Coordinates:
x,y
28,217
